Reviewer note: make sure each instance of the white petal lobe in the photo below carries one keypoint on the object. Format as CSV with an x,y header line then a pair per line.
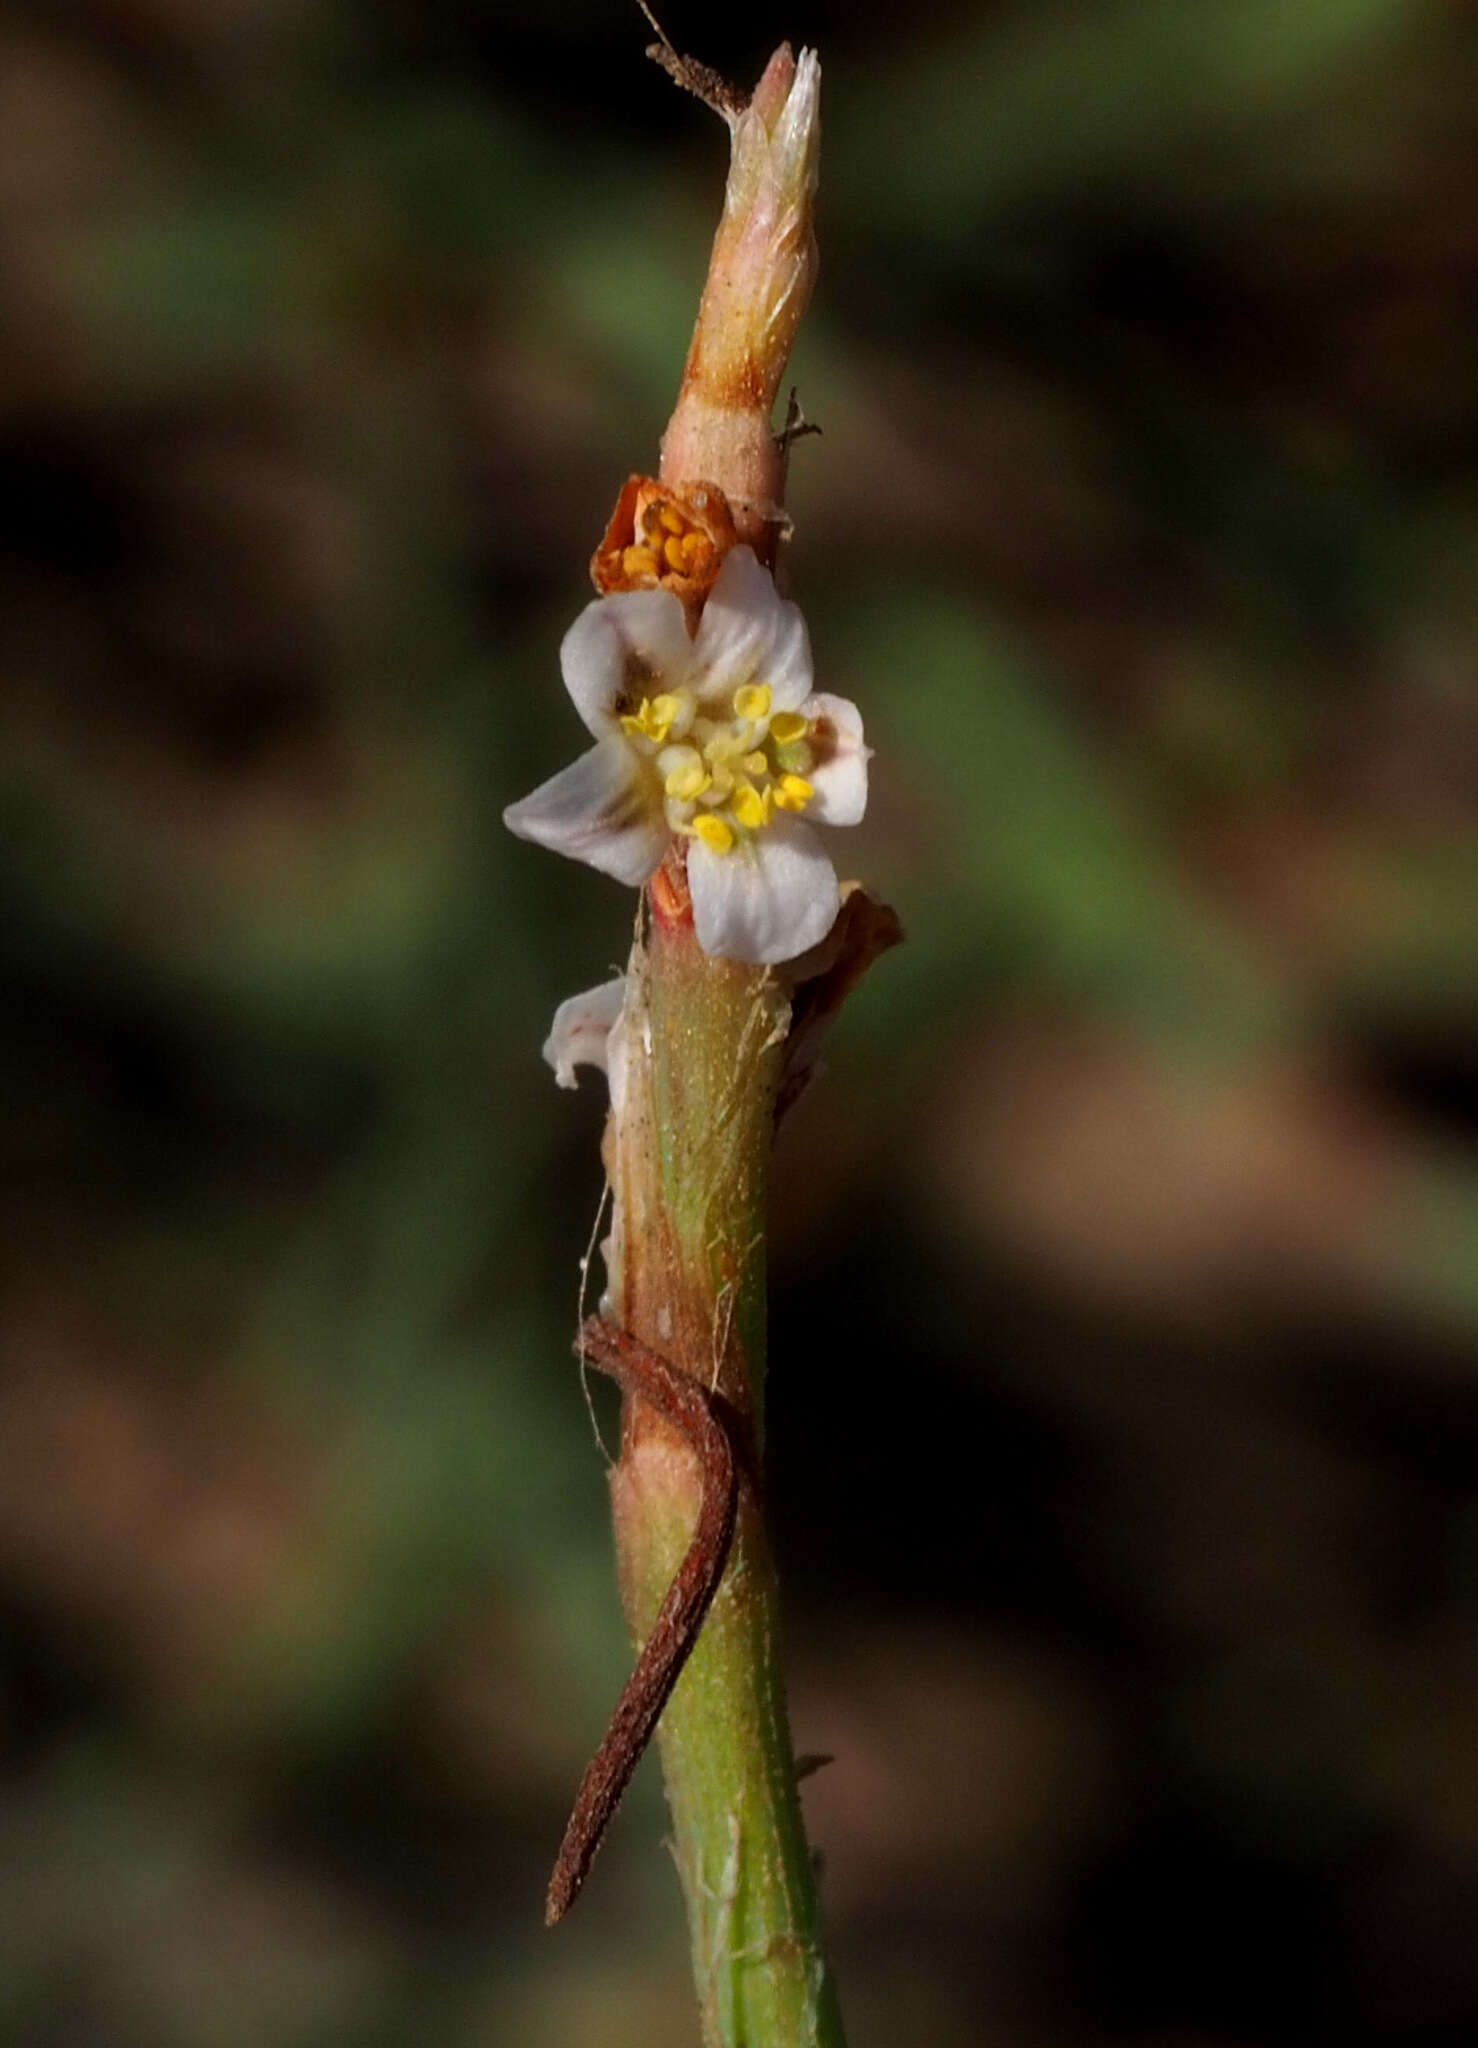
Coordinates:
x,y
750,634
604,809
839,776
622,649
581,1032
769,899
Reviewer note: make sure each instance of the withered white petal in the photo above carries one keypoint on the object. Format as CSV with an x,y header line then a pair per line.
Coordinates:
x,y
769,899
750,634
581,1032
601,810
620,650
839,776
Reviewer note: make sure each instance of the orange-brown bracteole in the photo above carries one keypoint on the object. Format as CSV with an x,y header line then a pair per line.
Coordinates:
x,y
664,539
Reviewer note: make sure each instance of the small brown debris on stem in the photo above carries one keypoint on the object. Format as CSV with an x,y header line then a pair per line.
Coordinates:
x,y
701,80
796,426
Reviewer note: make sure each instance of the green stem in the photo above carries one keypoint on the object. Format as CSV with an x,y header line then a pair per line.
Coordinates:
x,y
692,1140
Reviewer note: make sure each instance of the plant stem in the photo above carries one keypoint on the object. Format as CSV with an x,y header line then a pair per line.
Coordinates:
x,y
704,1043
688,1150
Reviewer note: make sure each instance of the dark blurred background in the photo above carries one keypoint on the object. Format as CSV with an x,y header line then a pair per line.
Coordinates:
x,y
1125,1364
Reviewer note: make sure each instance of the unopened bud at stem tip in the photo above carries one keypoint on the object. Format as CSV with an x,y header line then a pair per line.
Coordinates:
x,y
759,281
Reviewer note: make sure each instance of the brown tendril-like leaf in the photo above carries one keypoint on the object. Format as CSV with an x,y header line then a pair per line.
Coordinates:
x,y
692,1410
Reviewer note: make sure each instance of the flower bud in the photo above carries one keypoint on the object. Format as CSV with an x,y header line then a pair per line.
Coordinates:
x,y
759,280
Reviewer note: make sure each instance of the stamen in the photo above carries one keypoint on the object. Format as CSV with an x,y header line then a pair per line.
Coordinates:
x,y
756,763
715,834
786,726
752,701
637,561
653,718
750,808
687,782
792,793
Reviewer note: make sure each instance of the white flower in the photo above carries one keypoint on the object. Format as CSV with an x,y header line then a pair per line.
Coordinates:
x,y
719,740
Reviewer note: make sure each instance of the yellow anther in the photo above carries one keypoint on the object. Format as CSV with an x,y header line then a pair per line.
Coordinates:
x,y
672,520
786,726
755,763
638,562
752,701
653,720
750,808
673,556
691,542
792,793
687,783
715,834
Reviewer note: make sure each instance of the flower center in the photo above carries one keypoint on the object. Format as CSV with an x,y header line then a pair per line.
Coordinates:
x,y
724,779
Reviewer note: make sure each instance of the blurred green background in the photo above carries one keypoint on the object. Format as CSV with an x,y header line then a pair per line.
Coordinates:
x,y
1124,1405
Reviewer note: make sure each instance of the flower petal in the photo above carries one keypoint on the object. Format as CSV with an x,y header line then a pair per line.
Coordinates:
x,y
839,775
750,634
622,649
774,896
581,1031
604,809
